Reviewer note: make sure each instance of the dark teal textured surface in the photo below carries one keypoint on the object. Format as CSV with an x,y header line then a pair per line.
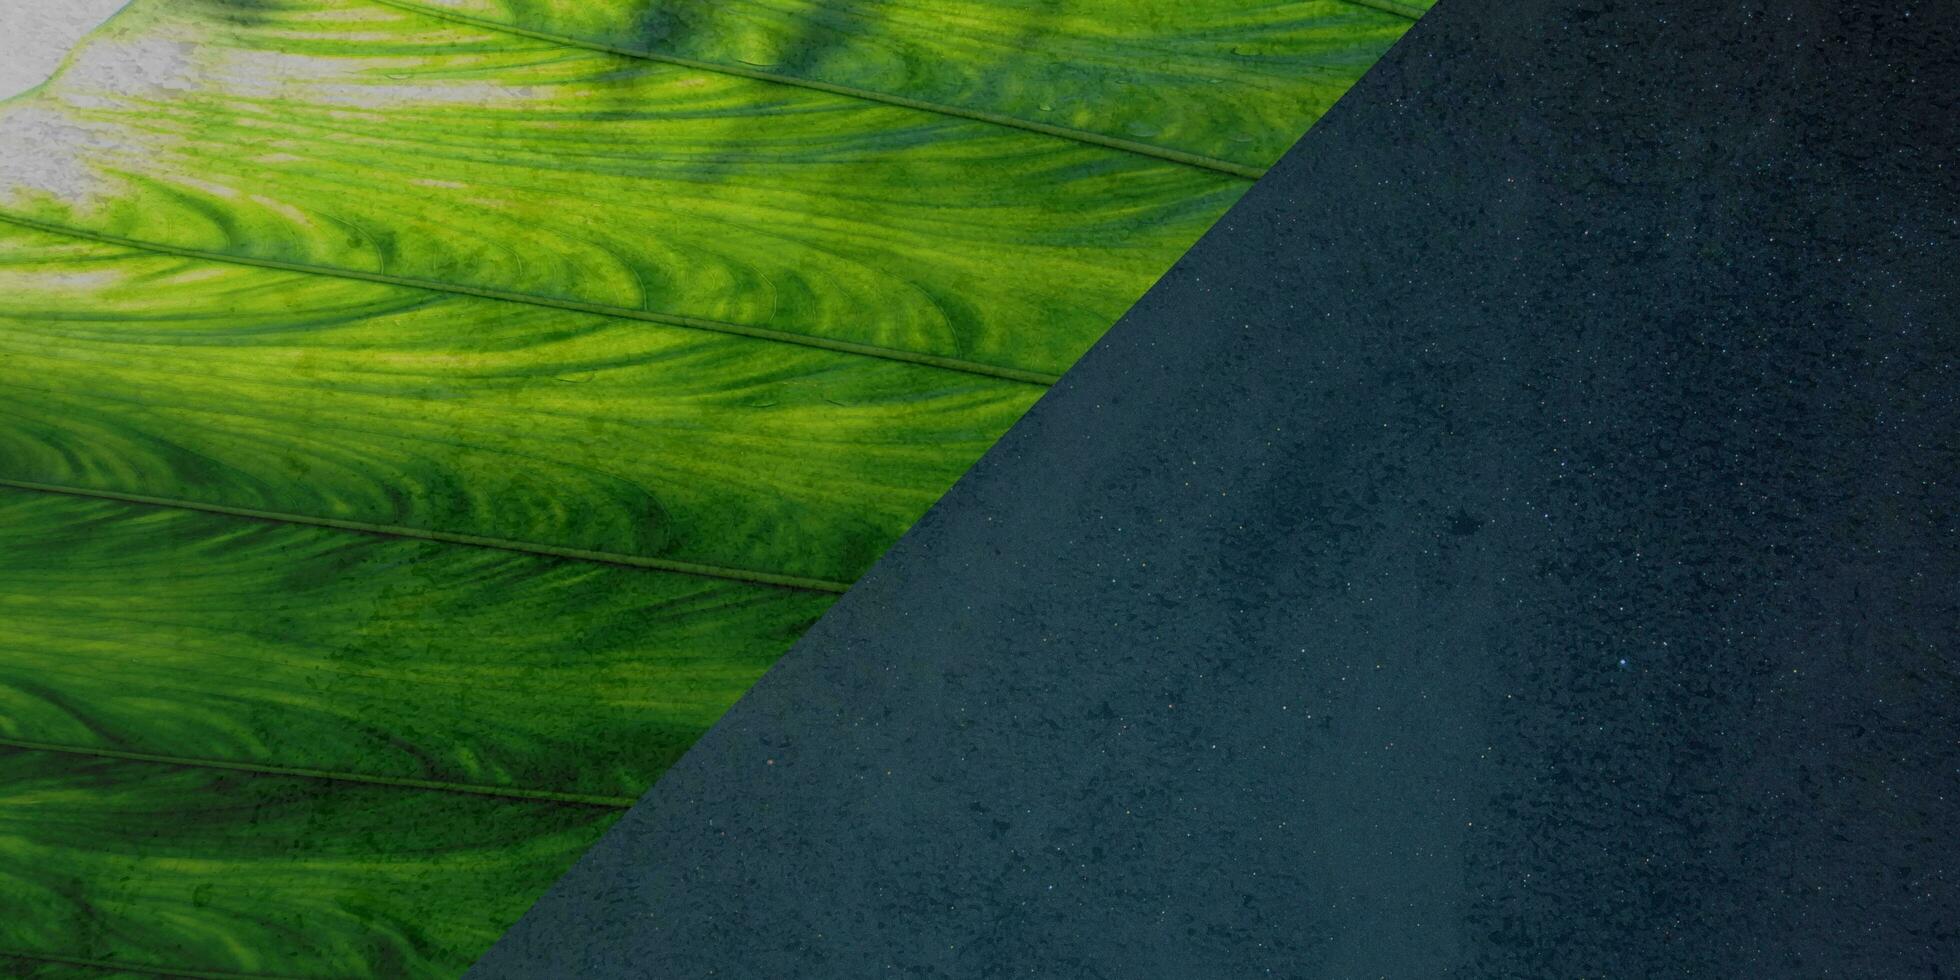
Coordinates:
x,y
1519,541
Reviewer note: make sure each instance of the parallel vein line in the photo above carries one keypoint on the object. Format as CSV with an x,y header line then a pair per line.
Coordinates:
x,y
1395,7
509,792
869,95
531,299
121,966
447,537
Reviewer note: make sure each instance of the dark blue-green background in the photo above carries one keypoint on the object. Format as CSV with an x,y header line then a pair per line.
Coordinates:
x,y
1520,541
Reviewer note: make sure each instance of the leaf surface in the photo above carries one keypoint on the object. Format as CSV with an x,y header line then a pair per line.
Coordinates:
x,y
170,632
352,137
421,419
271,875
318,396
1227,85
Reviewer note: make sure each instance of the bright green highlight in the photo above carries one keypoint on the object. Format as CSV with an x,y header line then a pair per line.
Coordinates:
x,y
1226,84
151,374
346,135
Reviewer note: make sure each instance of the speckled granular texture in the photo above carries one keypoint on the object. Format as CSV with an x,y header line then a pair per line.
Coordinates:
x,y
35,34
1519,541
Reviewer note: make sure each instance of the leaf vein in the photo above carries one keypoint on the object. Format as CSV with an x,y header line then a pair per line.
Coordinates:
x,y
122,966
577,306
978,115
434,785
448,537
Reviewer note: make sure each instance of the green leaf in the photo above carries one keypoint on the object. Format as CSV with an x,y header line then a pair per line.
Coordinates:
x,y
1227,86
322,397
350,137
422,420
195,636
271,875
41,968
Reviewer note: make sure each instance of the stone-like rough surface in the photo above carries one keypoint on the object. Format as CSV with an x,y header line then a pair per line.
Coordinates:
x,y
1519,541
35,34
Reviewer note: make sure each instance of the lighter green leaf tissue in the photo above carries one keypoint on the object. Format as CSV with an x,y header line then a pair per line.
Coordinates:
x,y
421,419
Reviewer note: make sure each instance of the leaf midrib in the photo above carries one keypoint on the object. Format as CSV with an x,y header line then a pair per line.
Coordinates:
x,y
1089,137
1409,10
640,562
121,966
962,365
332,775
